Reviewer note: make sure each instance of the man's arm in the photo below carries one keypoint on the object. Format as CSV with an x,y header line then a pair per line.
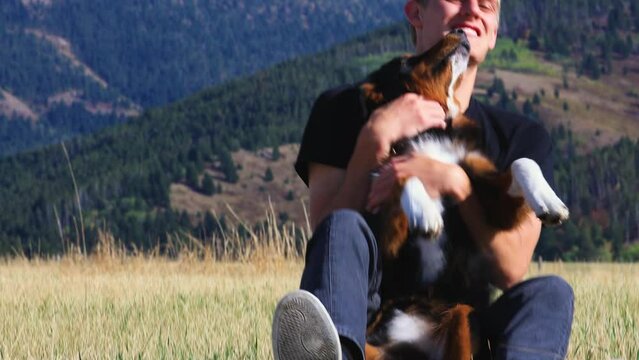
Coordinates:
x,y
510,251
332,188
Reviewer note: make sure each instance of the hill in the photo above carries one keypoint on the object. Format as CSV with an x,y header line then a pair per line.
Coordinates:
x,y
72,67
124,173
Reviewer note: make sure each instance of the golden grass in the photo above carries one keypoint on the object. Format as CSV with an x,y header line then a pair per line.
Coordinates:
x,y
154,308
142,308
606,323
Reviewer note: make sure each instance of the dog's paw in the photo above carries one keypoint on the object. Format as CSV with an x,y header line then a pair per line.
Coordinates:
x,y
530,182
550,209
423,213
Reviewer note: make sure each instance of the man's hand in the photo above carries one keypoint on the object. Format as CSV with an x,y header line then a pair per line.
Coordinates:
x,y
439,179
333,188
403,117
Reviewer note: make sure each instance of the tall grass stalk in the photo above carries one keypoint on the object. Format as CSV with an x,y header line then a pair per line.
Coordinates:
x,y
80,233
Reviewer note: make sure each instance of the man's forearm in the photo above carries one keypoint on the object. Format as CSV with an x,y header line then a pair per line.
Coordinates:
x,y
367,156
351,188
509,251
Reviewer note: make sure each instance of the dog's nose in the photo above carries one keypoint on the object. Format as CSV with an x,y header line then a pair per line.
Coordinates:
x,y
462,36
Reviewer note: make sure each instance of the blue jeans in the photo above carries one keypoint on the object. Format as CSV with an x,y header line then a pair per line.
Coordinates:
x,y
532,320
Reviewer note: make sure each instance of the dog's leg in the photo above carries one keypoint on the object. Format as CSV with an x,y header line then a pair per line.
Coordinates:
x,y
529,182
372,352
458,335
423,213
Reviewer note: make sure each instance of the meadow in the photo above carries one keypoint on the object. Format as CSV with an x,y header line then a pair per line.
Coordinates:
x,y
188,308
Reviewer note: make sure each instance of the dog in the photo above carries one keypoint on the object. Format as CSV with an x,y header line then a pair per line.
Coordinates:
x,y
438,279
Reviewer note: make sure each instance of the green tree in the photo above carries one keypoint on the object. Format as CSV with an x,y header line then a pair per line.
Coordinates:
x,y
268,175
527,108
228,166
536,99
192,177
208,187
276,153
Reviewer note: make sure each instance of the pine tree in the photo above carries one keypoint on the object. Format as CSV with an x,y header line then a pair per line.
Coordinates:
x,y
276,153
536,99
228,166
527,108
208,187
268,175
192,177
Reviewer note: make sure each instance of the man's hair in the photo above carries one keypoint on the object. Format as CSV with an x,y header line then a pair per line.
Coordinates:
x,y
413,33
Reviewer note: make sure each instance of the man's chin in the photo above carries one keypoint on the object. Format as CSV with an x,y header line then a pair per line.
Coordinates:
x,y
477,57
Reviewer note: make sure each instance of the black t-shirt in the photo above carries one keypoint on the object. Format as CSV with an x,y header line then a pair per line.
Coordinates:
x,y
339,114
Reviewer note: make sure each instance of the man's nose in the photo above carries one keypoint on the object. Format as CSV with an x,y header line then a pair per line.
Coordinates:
x,y
470,7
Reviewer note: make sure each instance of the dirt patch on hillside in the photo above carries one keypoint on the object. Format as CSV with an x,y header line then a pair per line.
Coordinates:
x,y
11,107
251,196
64,48
599,112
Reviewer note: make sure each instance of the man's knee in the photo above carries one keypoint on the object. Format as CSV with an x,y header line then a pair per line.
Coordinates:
x,y
551,287
344,230
343,218
550,293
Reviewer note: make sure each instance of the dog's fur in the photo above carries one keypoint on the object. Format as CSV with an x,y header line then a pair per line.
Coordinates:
x,y
436,321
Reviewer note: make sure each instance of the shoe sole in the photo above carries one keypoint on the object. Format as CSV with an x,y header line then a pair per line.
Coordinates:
x,y
303,330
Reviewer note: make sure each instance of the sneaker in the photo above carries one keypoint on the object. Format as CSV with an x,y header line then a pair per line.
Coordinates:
x,y
303,330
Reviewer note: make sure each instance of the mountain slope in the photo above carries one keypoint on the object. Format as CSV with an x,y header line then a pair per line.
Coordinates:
x,y
124,173
71,67
156,52
109,58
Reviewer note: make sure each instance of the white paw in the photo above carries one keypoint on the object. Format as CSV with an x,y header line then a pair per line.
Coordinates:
x,y
530,182
423,213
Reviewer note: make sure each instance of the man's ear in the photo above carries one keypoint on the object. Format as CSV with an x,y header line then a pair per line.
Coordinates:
x,y
493,38
413,13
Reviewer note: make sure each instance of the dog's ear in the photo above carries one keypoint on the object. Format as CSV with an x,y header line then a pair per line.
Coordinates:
x,y
371,94
387,83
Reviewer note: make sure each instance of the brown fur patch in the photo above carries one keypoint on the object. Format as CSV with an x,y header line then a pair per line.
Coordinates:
x,y
490,186
455,328
372,352
394,233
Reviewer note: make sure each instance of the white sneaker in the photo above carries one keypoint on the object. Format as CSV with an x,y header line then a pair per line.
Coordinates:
x,y
303,330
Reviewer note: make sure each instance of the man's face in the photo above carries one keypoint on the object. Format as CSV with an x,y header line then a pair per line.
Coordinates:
x,y
478,19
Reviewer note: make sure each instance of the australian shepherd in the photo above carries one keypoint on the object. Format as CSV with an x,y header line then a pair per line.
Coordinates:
x,y
435,318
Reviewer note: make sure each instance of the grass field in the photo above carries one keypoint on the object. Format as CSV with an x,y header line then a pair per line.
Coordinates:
x,y
189,309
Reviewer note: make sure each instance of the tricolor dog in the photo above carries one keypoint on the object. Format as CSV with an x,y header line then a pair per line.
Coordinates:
x,y
436,322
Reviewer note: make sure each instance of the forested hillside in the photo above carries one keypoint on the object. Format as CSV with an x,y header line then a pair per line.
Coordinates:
x,y
124,174
71,67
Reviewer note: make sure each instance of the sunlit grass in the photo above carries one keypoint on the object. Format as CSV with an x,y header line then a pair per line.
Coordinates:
x,y
148,309
152,308
515,56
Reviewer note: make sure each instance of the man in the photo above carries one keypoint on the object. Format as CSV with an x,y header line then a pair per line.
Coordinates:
x,y
340,148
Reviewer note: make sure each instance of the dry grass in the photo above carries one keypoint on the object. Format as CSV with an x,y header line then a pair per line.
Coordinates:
x,y
153,308
606,323
140,308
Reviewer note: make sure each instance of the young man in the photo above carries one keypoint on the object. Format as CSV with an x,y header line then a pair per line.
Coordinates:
x,y
340,148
